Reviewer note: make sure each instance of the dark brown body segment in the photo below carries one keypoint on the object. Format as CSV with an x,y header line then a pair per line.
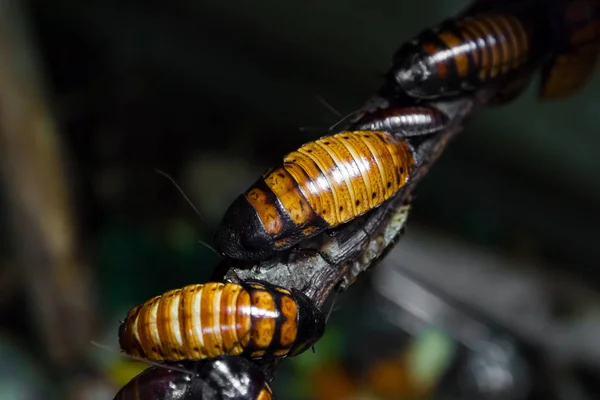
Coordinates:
x,y
227,377
462,54
404,121
571,68
156,383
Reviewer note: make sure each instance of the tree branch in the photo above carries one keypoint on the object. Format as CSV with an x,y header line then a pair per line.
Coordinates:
x,y
334,261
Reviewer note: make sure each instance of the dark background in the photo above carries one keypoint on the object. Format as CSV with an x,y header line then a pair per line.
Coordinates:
x,y
213,93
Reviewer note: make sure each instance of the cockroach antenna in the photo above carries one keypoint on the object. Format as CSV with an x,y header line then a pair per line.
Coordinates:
x,y
158,171
210,247
345,118
335,295
328,106
335,111
187,199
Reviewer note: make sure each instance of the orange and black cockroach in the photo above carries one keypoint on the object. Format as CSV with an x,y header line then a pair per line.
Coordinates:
x,y
222,378
253,319
323,184
461,54
576,37
406,121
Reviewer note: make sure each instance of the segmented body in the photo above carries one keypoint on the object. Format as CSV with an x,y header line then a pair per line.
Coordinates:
x,y
404,121
323,184
206,321
224,378
462,54
577,39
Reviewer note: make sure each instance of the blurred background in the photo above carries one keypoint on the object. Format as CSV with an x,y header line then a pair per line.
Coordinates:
x,y
492,294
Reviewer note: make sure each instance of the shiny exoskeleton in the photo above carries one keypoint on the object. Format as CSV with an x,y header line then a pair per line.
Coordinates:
x,y
223,378
576,39
461,54
323,184
252,319
404,121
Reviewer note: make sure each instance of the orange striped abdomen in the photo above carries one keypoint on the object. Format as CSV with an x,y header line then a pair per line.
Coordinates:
x,y
321,185
345,175
461,54
206,321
